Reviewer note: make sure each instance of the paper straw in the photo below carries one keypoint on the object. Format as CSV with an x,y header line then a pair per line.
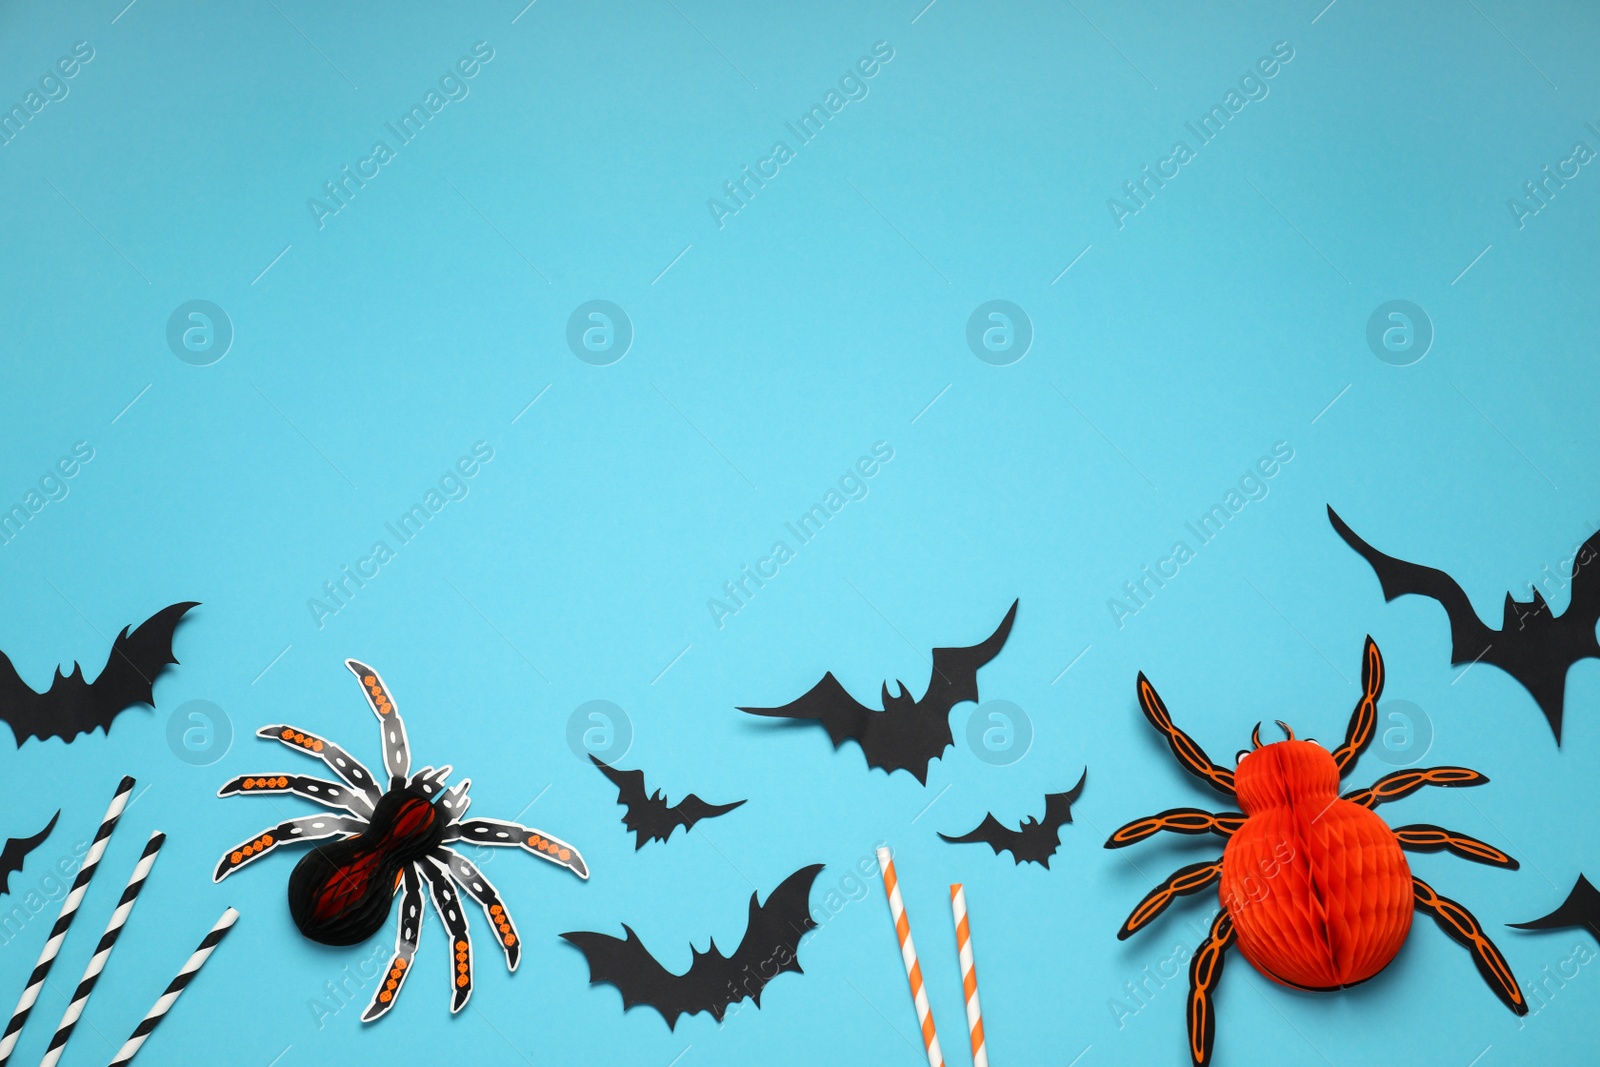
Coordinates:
x,y
908,954
164,1004
969,975
69,908
102,951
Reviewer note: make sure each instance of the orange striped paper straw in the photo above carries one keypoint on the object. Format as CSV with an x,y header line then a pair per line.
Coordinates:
x,y
908,955
969,975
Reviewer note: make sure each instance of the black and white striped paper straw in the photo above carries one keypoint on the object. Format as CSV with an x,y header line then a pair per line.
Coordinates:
x,y
178,985
69,908
102,951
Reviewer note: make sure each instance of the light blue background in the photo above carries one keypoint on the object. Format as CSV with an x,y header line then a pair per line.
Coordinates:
x,y
1225,317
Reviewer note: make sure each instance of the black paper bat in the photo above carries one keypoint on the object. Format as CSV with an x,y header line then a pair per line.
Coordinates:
x,y
907,734
713,982
16,852
651,818
1036,840
1533,645
1581,910
73,705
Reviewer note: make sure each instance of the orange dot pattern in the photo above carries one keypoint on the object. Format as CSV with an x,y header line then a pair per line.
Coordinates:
x,y
375,693
560,851
502,924
463,964
279,782
391,984
305,741
259,845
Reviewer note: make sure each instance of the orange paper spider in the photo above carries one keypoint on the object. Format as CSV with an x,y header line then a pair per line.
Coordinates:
x,y
1315,890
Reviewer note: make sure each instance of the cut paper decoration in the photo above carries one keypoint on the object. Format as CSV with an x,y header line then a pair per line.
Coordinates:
x,y
69,911
713,982
650,817
908,956
1315,889
16,852
175,989
1534,645
1580,911
72,705
969,975
907,734
102,951
1036,840
387,842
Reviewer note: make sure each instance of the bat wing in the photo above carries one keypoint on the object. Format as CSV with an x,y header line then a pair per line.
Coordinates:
x,y
16,852
955,670
713,981
1581,909
73,705
771,942
991,833
1534,646
1469,636
628,965
691,809
1058,806
829,703
648,817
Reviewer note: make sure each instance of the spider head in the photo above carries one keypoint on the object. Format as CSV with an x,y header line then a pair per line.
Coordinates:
x,y
1284,772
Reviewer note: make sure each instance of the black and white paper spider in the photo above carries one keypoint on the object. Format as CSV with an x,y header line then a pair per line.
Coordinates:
x,y
386,842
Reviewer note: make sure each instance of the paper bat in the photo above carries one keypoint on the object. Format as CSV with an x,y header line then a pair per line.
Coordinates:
x,y
1533,645
1580,911
714,982
73,705
907,734
16,852
651,818
1036,840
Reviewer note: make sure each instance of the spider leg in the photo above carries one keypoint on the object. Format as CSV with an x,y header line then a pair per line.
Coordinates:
x,y
430,780
405,946
1364,719
1458,922
1190,754
455,800
527,838
448,905
328,794
1186,880
306,828
396,751
1205,970
1425,837
1404,783
340,762
468,877
1178,821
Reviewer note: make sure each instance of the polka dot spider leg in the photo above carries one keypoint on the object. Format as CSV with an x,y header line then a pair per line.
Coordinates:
x,y
350,770
447,902
405,947
292,832
479,888
515,835
396,750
